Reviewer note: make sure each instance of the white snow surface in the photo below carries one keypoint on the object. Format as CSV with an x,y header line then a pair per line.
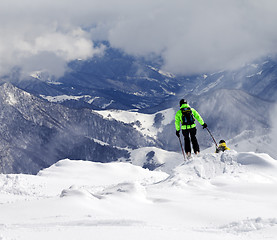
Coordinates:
x,y
142,122
62,98
224,196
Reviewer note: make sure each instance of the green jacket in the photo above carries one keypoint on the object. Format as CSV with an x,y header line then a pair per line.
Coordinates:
x,y
178,118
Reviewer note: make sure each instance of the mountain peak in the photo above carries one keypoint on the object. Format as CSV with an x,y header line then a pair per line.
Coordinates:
x,y
13,95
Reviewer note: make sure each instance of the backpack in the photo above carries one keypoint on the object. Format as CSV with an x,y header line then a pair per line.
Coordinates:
x,y
187,116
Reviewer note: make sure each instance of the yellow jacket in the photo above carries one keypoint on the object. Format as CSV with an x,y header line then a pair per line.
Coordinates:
x,y
222,147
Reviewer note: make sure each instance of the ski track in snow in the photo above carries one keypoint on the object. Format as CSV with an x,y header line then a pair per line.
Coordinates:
x,y
213,196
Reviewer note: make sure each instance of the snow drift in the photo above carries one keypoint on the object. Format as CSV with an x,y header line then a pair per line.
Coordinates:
x,y
214,196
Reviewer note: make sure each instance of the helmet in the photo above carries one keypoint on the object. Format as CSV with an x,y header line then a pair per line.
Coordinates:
x,y
221,141
182,101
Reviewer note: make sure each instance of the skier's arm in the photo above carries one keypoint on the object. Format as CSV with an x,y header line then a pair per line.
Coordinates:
x,y
177,121
197,116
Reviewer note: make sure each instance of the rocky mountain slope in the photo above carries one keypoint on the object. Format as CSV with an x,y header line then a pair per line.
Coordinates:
x,y
35,133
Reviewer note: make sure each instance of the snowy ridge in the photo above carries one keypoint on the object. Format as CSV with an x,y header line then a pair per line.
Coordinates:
x,y
167,74
214,196
227,166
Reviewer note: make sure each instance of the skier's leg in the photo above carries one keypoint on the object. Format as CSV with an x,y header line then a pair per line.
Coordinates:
x,y
187,141
194,141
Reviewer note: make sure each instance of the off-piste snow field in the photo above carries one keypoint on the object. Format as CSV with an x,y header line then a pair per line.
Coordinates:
x,y
225,196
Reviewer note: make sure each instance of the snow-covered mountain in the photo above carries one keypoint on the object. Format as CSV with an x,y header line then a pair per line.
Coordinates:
x,y
215,197
110,81
258,78
232,115
119,81
135,95
35,133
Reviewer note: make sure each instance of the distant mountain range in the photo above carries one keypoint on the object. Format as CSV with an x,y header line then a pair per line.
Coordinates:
x,y
112,81
44,120
258,78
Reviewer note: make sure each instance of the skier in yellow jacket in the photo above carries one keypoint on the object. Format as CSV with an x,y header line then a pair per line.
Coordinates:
x,y
221,147
186,117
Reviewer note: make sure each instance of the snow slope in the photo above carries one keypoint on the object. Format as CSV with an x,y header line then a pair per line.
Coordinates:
x,y
147,124
215,196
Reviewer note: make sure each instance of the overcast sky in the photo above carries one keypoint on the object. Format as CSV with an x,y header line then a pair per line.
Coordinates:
x,y
192,36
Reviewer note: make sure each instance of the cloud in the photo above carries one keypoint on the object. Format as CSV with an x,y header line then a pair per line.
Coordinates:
x,y
198,36
41,38
191,36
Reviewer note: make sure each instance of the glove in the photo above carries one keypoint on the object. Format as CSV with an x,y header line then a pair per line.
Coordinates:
x,y
204,125
178,133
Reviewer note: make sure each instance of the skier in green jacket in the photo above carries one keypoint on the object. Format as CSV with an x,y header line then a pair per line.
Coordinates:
x,y
186,117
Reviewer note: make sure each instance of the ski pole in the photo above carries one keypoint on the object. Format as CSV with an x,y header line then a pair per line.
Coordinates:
x,y
182,149
212,136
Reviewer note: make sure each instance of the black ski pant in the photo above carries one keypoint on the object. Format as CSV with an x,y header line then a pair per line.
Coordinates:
x,y
190,135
